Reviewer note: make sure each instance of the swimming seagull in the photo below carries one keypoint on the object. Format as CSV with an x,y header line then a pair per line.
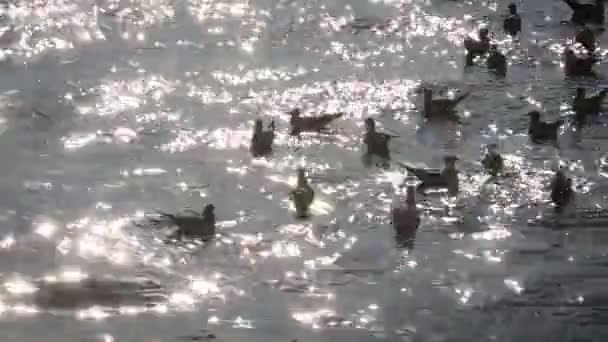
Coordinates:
x,y
512,24
302,196
310,124
196,226
435,179
261,141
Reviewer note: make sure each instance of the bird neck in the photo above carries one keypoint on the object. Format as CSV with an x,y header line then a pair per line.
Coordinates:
x,y
410,198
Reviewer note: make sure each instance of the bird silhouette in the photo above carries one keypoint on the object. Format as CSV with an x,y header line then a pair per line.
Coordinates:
x,y
475,47
196,227
376,142
543,132
440,108
492,161
261,141
302,196
561,190
497,62
406,217
310,124
512,23
435,179
592,13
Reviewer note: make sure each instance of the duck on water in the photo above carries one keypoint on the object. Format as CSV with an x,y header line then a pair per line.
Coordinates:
x,y
435,179
196,226
376,142
512,23
543,132
302,196
440,108
316,124
261,141
406,216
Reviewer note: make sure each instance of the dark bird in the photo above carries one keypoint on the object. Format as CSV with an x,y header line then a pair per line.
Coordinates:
x,y
477,48
310,124
196,227
592,13
587,106
542,132
435,179
512,24
406,217
261,141
578,65
440,108
586,38
302,196
497,62
492,161
561,190
376,142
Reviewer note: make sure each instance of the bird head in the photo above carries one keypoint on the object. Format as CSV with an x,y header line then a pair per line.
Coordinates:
x,y
580,92
294,113
483,33
512,8
208,210
370,125
259,126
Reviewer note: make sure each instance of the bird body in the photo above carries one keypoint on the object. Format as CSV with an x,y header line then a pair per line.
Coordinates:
x,y
261,141
310,124
497,62
477,47
493,163
406,218
592,13
578,65
189,226
302,196
584,106
376,142
561,191
512,23
435,179
434,108
541,132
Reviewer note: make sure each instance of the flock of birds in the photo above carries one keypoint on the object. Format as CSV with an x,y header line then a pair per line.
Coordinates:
x,y
579,59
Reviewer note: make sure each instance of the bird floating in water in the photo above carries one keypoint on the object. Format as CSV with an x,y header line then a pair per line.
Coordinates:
x,y
543,132
406,216
512,24
587,13
477,48
440,108
578,65
497,62
198,226
310,124
376,142
587,106
493,162
561,190
302,196
435,179
261,141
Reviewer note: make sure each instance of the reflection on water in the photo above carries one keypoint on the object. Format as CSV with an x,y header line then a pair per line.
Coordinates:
x,y
112,110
